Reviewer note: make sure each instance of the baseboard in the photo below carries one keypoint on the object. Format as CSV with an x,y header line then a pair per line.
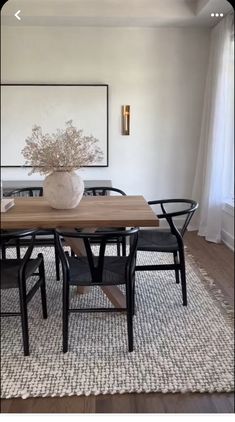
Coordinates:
x,y
227,239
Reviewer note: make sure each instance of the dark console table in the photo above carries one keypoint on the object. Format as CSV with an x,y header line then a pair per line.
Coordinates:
x,y
9,185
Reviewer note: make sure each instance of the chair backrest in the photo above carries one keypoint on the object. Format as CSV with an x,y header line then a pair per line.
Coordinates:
x,y
27,191
96,266
102,191
188,210
6,236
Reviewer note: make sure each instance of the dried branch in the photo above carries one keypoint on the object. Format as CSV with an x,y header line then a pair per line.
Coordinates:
x,y
66,150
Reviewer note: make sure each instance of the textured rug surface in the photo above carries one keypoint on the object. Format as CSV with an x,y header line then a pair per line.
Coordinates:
x,y
176,348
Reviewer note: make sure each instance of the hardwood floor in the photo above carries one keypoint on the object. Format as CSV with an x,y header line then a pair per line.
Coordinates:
x,y
217,260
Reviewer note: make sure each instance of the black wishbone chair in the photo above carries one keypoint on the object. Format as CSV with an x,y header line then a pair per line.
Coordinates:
x,y
14,275
100,270
43,237
29,191
168,240
103,191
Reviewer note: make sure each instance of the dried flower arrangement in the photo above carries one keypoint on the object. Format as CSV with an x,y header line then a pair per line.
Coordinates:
x,y
66,150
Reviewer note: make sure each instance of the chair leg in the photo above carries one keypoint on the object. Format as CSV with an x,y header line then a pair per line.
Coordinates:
x,y
18,249
129,316
65,316
3,251
72,253
118,248
24,321
176,261
183,276
57,266
124,246
57,261
43,290
133,296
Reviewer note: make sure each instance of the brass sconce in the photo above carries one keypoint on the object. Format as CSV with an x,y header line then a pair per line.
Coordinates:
x,y
126,120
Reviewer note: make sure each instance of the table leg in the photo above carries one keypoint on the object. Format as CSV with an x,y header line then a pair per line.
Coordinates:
x,y
78,247
115,295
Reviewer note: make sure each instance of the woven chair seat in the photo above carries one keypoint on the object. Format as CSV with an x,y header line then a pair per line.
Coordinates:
x,y
9,271
113,271
156,240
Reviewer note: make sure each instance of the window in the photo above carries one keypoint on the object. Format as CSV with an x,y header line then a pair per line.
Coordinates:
x,y
229,156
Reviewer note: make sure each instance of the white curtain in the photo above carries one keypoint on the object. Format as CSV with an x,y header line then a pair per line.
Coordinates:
x,y
215,139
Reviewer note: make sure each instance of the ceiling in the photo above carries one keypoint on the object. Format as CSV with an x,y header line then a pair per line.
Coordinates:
x,y
119,13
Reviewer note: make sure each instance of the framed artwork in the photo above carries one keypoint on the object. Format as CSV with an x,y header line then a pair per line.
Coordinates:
x,y
51,106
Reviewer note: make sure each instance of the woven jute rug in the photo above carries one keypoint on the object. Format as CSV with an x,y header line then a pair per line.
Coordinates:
x,y
176,348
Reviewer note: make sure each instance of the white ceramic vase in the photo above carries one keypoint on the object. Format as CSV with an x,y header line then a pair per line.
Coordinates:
x,y
63,189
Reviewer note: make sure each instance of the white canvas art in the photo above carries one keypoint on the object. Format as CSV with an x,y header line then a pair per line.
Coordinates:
x,y
24,106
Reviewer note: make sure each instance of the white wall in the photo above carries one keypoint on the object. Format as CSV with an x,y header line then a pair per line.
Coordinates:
x,y
159,72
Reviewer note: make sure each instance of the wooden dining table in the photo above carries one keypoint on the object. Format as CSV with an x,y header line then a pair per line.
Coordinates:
x,y
92,212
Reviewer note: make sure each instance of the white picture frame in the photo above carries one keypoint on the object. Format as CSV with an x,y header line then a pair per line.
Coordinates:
x,y
50,106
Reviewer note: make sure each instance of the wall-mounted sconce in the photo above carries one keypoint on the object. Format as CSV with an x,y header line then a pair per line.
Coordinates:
x,y
126,120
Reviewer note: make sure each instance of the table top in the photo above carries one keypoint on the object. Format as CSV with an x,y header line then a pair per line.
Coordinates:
x,y
93,211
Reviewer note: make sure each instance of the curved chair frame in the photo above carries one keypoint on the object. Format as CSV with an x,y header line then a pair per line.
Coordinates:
x,y
178,254
23,275
103,191
31,192
96,268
